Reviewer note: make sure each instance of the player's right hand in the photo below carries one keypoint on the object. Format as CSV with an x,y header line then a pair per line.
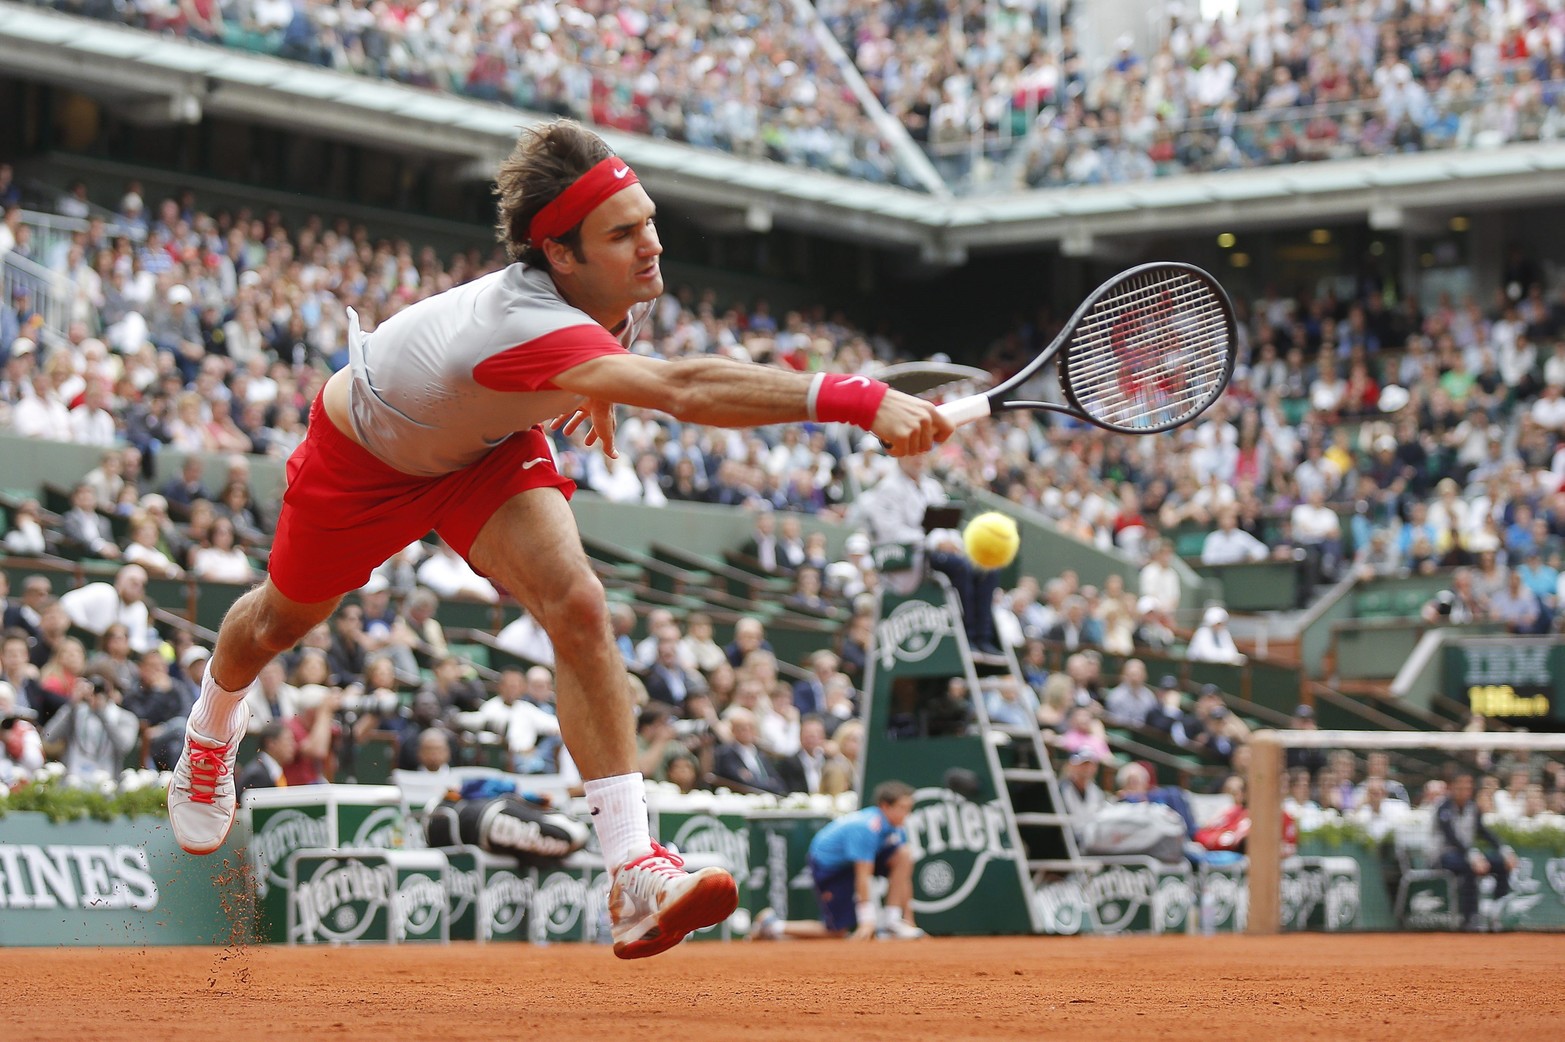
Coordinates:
x,y
909,426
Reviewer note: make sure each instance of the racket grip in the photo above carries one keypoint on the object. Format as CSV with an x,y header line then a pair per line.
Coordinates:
x,y
966,410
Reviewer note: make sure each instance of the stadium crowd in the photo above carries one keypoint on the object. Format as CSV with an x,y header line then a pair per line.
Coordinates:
x,y
997,95
1355,435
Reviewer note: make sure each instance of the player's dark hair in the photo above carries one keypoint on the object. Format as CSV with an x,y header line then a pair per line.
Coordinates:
x,y
545,161
889,792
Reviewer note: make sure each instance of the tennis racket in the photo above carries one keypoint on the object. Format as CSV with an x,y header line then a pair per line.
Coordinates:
x,y
1150,349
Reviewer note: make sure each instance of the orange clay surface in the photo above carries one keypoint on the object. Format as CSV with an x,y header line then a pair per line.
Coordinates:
x,y
1382,987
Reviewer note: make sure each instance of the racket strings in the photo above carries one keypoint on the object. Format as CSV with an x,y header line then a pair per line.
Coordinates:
x,y
1152,354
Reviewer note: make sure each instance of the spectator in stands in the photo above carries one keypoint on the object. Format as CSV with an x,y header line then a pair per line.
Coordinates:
x,y
96,606
1083,732
1379,814
525,638
26,537
765,547
1517,607
809,694
268,769
272,699
1212,642
522,723
183,491
1469,849
1131,701
234,504
450,577
1299,804
315,731
162,704
667,680
53,625
418,615
346,656
114,658
92,735
26,613
1160,581
84,529
1076,627
1170,717
453,688
697,645
1215,732
143,549
1457,606
804,770
1080,797
221,559
1229,544
19,673
1010,705
749,636
741,761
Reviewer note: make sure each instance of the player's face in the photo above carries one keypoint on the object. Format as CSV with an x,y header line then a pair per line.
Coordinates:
x,y
619,242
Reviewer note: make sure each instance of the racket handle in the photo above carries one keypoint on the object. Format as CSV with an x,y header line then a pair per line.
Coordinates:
x,y
966,410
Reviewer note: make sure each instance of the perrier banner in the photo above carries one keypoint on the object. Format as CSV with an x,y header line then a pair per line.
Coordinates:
x,y
966,879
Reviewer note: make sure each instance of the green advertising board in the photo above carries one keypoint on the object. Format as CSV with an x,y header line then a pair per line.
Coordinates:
x,y
779,876
312,817
488,896
1321,893
1120,895
120,882
366,895
1512,679
567,903
968,861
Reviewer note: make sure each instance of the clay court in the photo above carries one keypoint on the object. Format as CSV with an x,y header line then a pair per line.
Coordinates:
x,y
1381,987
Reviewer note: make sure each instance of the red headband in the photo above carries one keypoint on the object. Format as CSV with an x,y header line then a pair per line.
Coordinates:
x,y
571,207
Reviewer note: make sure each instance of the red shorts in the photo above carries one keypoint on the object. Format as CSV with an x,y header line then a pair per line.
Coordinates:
x,y
345,512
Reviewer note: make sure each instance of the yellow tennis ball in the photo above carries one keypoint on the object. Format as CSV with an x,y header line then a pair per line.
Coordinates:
x,y
991,540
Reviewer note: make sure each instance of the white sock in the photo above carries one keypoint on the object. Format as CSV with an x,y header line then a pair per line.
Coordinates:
x,y
619,813
219,713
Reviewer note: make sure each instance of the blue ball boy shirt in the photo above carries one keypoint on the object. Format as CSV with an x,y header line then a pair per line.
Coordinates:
x,y
864,835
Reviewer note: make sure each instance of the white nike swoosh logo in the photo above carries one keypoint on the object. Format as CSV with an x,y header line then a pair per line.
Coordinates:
x,y
530,464
621,172
862,381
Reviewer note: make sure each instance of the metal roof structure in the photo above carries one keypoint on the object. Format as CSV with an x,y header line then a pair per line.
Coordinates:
x,y
180,81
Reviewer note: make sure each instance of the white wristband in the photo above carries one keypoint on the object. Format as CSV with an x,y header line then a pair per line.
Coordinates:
x,y
815,390
865,912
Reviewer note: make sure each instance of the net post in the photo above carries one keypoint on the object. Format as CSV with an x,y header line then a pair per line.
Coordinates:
x,y
1264,849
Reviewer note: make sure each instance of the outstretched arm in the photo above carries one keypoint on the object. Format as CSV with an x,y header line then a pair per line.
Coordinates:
x,y
718,392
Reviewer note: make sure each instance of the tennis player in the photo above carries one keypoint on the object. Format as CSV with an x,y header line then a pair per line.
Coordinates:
x,y
436,425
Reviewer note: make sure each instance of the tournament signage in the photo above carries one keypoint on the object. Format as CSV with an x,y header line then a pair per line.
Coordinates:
x,y
912,632
341,897
967,875
319,817
120,882
779,875
487,895
1134,895
1520,680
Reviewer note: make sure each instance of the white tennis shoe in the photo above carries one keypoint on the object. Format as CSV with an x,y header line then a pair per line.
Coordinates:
x,y
654,903
201,797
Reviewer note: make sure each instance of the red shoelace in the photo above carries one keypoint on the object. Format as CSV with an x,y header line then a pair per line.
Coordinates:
x,y
206,768
660,852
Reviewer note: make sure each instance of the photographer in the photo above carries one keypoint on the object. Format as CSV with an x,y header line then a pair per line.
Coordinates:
x,y
93,733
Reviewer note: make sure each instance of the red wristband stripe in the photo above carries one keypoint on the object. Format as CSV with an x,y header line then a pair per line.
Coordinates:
x,y
849,399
